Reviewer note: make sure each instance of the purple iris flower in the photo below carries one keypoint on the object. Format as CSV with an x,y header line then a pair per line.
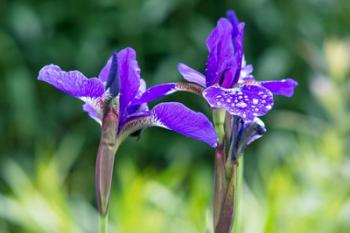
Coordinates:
x,y
228,82
120,78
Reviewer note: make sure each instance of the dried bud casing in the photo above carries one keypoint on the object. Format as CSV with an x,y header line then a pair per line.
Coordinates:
x,y
105,159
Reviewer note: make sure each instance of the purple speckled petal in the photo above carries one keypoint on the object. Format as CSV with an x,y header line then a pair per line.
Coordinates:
x,y
93,112
179,118
191,75
247,101
283,87
221,51
71,82
156,92
129,79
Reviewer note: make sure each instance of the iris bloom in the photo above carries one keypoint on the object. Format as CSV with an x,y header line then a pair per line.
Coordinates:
x,y
228,82
237,100
109,99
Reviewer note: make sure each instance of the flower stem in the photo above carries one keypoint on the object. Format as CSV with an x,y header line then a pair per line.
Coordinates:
x,y
103,223
220,185
239,183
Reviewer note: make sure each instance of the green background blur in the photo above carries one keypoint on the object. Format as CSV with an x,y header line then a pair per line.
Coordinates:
x,y
297,177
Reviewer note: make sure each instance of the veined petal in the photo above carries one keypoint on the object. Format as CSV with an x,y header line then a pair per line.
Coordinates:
x,y
129,79
71,82
247,101
156,92
165,89
179,118
221,51
283,87
191,74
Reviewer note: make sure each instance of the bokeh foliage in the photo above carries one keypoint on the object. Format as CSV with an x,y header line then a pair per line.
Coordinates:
x,y
296,177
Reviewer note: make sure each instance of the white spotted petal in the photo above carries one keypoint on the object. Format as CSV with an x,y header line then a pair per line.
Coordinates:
x,y
247,101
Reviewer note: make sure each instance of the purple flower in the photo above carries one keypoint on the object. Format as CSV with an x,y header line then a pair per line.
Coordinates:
x,y
228,82
120,79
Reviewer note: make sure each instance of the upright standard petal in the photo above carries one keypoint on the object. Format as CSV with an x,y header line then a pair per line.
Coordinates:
x,y
221,52
231,77
71,82
179,118
103,75
283,87
247,101
112,84
191,75
129,79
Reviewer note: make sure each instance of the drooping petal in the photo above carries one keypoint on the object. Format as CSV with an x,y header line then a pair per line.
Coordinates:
x,y
156,92
71,82
283,87
93,112
221,51
247,101
165,89
179,118
191,75
129,79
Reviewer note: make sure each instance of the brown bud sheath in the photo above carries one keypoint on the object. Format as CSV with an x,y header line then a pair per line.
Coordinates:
x,y
227,211
105,159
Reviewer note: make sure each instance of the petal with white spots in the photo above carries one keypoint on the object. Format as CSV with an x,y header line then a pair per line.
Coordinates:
x,y
247,101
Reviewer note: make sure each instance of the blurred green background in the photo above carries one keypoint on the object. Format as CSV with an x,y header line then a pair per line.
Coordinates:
x,y
297,177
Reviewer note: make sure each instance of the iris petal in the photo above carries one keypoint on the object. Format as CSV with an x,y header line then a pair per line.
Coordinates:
x,y
221,52
283,87
191,74
73,83
247,101
177,117
129,79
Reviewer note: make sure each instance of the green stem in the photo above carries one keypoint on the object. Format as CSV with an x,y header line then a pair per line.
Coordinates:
x,y
239,183
103,223
219,123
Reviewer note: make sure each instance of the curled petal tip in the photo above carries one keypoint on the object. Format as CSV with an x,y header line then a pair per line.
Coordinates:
x,y
283,87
